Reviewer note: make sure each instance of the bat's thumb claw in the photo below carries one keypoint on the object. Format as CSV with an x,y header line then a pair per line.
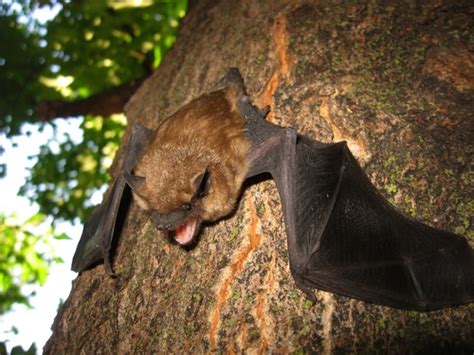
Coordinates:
x,y
264,111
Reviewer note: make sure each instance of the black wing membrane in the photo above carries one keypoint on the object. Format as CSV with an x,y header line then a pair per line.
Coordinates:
x,y
89,251
98,232
356,244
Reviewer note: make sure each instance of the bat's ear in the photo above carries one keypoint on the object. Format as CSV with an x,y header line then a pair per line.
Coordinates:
x,y
135,182
202,184
232,78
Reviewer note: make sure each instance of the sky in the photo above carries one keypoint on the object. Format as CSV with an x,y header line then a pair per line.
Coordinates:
x,y
34,325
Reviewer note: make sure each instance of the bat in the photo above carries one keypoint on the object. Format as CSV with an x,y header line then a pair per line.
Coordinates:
x,y
343,235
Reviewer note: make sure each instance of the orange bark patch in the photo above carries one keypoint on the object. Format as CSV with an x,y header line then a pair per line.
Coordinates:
x,y
230,349
285,63
262,317
241,338
281,42
235,268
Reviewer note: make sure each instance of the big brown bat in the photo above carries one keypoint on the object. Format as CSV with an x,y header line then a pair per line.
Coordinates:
x,y
343,236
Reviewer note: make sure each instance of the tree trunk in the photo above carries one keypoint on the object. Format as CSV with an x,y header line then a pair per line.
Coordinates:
x,y
394,79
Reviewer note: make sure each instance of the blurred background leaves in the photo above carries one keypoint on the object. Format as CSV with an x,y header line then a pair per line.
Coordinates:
x,y
25,257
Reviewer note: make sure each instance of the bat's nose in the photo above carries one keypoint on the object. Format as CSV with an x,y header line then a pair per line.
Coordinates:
x,y
169,221
164,226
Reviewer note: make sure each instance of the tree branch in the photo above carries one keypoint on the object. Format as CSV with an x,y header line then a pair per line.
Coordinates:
x,y
102,104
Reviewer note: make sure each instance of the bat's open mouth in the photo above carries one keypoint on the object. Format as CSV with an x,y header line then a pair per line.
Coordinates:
x,y
186,232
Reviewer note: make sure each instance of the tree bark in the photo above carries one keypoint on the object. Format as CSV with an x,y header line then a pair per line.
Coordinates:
x,y
394,79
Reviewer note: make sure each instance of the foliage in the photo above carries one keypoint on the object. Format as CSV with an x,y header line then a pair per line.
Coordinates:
x,y
18,350
25,257
21,63
63,181
88,47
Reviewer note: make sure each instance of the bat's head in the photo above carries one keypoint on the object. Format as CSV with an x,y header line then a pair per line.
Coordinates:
x,y
176,210
194,166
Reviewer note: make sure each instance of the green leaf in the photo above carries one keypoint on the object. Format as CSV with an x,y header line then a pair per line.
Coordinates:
x,y
36,219
62,236
18,350
21,262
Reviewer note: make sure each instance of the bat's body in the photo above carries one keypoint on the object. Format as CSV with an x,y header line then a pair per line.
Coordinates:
x,y
343,236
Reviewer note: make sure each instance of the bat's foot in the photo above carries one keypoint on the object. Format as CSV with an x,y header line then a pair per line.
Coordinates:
x,y
107,265
309,293
264,111
108,269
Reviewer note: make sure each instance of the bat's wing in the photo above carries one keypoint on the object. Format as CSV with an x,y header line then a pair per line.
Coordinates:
x,y
344,237
351,241
98,233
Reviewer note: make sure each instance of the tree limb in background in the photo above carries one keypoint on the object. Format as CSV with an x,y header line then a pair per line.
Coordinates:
x,y
103,104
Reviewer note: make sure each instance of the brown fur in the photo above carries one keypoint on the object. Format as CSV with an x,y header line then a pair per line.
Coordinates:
x,y
207,133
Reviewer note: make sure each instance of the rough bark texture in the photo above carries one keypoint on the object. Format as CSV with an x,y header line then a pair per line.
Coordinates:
x,y
394,79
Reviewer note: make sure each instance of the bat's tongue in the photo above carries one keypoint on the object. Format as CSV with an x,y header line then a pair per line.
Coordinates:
x,y
185,233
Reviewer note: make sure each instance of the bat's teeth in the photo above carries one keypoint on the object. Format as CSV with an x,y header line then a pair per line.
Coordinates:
x,y
185,233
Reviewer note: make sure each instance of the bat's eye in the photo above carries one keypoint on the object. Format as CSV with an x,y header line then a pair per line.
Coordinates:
x,y
187,206
202,184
